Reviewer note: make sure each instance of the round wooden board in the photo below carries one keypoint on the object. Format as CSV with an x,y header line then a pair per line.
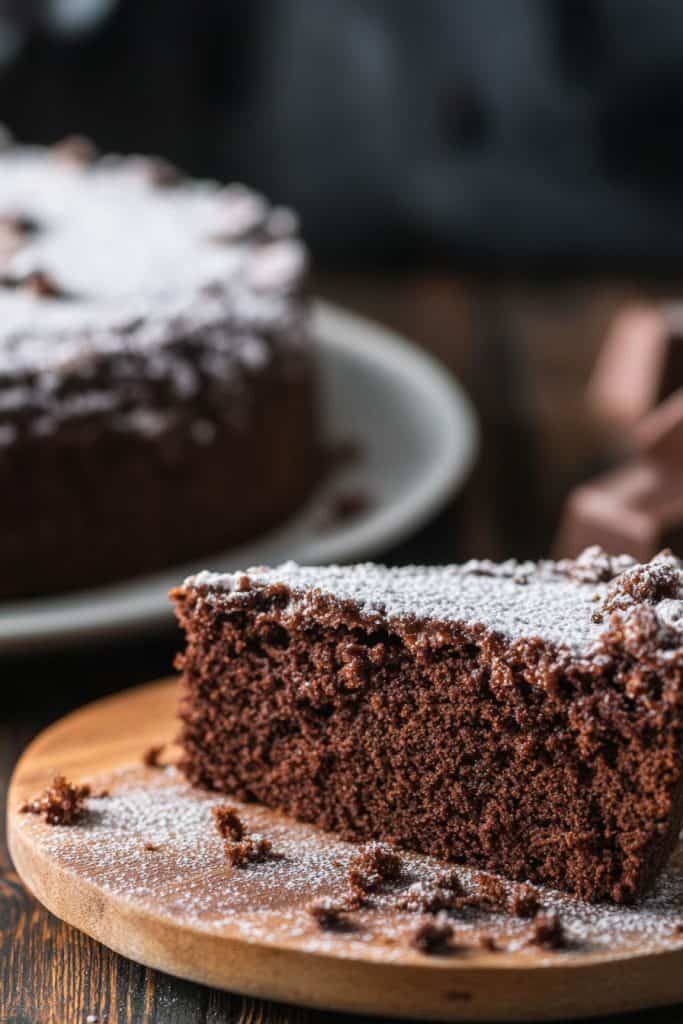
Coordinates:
x,y
181,908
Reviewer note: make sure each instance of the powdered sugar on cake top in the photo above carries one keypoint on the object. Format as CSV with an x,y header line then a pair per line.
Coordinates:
x,y
558,601
155,284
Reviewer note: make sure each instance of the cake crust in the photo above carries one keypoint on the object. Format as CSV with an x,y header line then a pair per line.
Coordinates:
x,y
524,718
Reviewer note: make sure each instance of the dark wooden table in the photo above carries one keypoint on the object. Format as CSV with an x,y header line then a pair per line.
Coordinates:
x,y
524,353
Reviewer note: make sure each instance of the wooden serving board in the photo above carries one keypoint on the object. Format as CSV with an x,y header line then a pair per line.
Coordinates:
x,y
145,874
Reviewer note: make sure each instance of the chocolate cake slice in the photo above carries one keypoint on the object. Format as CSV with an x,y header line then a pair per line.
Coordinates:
x,y
524,717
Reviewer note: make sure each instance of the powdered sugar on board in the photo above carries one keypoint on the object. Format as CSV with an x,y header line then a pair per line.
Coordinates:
x,y
152,842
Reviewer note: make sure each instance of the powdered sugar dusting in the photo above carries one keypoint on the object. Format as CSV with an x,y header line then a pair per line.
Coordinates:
x,y
556,601
153,843
151,280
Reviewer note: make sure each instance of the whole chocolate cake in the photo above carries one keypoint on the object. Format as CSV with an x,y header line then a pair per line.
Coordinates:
x,y
156,376
524,717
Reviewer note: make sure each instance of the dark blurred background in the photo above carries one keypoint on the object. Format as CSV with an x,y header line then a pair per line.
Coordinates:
x,y
489,132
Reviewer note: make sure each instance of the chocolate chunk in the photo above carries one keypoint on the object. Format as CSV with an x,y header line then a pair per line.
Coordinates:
x,y
636,508
433,936
640,364
62,803
659,435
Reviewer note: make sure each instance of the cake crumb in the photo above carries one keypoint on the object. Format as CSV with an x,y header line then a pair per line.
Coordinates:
x,y
228,822
524,901
375,864
429,898
433,936
62,803
328,914
448,878
489,943
491,894
548,932
250,850
152,847
152,756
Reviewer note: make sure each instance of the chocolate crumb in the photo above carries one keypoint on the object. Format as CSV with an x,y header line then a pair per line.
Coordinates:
x,y
62,803
489,943
433,936
524,901
152,756
152,847
547,932
375,864
75,149
490,895
251,850
328,914
448,878
430,898
228,822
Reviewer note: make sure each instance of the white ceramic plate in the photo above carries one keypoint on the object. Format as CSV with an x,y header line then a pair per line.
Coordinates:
x,y
418,436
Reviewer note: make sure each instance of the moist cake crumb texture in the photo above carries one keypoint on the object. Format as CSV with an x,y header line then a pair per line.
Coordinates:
x,y
478,713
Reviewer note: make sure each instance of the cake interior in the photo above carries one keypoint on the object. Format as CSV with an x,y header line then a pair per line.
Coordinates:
x,y
540,762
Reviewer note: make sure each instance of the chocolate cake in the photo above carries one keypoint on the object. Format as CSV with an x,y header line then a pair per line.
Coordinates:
x,y
526,718
156,374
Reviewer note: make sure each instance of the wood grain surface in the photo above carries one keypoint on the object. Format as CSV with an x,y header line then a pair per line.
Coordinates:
x,y
524,351
279,960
